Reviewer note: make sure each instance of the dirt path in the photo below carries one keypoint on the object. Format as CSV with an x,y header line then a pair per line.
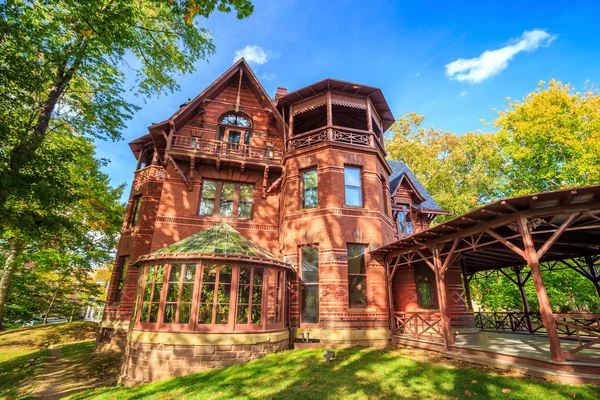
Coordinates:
x,y
59,378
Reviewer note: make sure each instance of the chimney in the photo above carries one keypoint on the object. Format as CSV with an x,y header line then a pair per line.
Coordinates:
x,y
280,93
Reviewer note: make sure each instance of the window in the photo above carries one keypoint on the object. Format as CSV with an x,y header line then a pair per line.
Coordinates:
x,y
310,189
234,135
310,285
250,294
234,200
424,278
404,221
353,186
226,203
209,193
275,298
122,272
215,294
245,206
357,276
136,210
180,292
235,119
152,291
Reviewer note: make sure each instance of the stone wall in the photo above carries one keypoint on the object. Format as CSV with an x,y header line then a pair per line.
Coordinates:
x,y
149,362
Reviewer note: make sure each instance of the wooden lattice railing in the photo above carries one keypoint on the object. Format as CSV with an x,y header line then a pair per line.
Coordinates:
x,y
586,328
509,321
217,147
418,325
336,134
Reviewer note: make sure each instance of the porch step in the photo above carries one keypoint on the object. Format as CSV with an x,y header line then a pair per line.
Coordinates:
x,y
545,373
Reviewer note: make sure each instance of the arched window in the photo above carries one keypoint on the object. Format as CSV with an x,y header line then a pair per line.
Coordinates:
x,y
233,127
235,119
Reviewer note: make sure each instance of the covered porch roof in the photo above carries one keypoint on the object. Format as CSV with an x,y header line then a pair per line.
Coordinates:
x,y
563,224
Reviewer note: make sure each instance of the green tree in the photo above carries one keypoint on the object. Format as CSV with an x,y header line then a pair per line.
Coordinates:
x,y
462,172
82,232
550,139
62,62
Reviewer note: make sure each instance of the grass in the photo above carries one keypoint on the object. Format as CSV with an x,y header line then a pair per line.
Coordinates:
x,y
357,373
19,346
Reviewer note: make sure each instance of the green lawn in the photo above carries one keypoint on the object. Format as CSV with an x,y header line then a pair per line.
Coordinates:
x,y
357,373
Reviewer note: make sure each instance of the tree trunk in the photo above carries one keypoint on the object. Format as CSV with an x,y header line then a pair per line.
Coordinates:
x,y
15,246
45,319
24,152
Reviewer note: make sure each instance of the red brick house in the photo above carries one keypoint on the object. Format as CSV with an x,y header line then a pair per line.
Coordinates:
x,y
250,228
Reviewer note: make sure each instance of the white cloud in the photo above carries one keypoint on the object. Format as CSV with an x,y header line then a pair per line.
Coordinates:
x,y
492,62
418,74
463,93
254,55
268,76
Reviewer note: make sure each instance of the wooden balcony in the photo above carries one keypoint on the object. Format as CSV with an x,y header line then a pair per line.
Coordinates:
x,y
226,150
336,134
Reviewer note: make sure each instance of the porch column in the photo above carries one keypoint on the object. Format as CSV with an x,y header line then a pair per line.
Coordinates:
x,y
467,288
442,299
526,308
531,256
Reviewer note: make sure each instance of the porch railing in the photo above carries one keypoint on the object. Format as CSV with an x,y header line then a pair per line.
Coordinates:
x,y
509,321
418,325
586,328
226,149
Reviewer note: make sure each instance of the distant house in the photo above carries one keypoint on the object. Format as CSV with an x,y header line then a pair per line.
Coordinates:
x,y
250,228
93,312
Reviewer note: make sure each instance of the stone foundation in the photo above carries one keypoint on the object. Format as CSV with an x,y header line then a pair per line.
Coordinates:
x,y
147,359
112,336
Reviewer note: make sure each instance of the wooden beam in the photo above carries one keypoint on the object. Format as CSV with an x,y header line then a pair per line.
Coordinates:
x,y
442,299
450,255
191,175
555,236
545,308
505,242
265,179
431,265
238,99
178,170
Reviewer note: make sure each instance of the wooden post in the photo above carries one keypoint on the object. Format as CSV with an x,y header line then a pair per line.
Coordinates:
x,y
290,124
593,273
139,161
467,288
526,308
369,119
442,298
545,310
329,109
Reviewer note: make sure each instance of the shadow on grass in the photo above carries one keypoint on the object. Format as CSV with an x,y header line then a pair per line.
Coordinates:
x,y
46,335
15,372
356,373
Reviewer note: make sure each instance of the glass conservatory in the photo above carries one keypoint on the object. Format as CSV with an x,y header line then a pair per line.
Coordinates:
x,y
213,281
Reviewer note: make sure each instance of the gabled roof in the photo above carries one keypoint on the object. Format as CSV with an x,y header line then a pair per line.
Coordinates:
x,y
189,110
376,95
215,242
400,172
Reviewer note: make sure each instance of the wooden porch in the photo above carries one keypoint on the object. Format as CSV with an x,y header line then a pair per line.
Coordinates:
x,y
519,237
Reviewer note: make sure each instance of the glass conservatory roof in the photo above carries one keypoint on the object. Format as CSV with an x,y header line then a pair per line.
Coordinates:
x,y
220,239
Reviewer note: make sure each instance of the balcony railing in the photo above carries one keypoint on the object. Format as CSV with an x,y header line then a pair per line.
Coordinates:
x,y
334,134
418,325
226,149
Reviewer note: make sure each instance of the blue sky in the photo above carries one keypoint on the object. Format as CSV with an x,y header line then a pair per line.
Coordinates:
x,y
450,61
